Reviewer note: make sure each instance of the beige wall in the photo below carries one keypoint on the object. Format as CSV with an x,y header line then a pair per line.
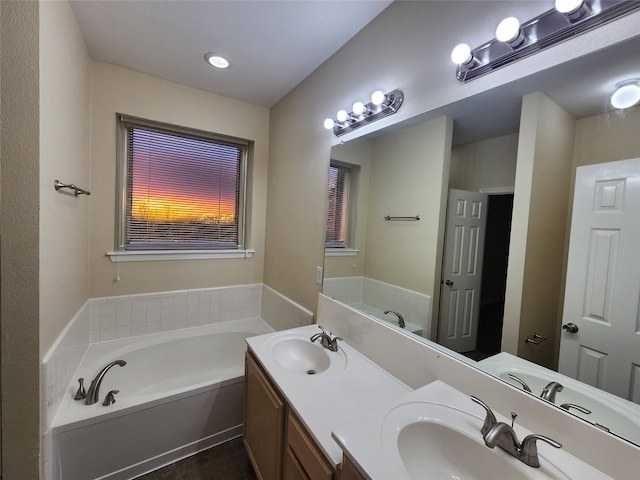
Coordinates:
x,y
124,91
408,168
536,251
488,163
407,46
19,239
356,153
64,155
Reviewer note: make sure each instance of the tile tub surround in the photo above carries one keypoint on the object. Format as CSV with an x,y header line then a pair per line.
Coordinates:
x,y
403,354
374,297
110,318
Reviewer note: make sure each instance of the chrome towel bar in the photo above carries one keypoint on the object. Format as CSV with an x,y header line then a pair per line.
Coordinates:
x,y
57,184
410,219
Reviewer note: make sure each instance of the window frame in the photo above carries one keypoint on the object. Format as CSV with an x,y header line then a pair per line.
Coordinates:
x,y
348,248
121,252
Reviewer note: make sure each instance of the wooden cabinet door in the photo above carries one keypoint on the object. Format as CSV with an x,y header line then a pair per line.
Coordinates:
x,y
308,455
264,415
349,471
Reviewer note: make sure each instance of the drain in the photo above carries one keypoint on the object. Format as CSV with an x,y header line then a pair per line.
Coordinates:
x,y
310,372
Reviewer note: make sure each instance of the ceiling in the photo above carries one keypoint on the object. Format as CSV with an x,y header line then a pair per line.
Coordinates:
x,y
273,44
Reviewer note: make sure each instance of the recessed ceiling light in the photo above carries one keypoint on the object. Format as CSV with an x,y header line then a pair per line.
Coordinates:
x,y
217,60
627,94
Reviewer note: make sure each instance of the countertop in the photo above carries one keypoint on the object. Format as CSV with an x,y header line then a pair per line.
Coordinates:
x,y
332,399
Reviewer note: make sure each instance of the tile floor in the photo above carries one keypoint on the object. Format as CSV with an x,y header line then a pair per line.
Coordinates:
x,y
228,461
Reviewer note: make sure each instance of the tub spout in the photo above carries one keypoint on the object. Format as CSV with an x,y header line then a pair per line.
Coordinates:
x,y
93,394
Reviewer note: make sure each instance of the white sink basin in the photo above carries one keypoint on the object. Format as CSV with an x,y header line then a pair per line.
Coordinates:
x,y
619,416
430,440
297,355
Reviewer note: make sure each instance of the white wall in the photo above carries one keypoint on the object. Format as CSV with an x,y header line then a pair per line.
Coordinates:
x,y
117,90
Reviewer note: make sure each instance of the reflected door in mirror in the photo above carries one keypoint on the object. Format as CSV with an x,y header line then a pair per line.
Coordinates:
x,y
603,280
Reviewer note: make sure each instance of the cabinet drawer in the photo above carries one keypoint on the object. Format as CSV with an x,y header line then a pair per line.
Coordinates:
x,y
292,470
304,450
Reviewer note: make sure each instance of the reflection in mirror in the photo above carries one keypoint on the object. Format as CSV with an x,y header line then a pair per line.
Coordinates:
x,y
522,146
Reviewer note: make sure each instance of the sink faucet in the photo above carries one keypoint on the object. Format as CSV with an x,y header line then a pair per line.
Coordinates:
x,y
93,394
326,339
549,392
400,319
504,436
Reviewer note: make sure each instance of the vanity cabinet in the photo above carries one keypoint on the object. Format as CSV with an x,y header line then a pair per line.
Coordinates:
x,y
263,426
349,471
277,442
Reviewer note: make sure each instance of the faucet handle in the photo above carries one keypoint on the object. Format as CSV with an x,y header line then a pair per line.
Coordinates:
x,y
81,394
489,420
110,398
529,448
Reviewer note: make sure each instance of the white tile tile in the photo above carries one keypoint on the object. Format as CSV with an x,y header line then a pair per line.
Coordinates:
x,y
123,319
107,334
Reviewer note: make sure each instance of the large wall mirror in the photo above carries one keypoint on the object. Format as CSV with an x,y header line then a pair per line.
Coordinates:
x,y
456,227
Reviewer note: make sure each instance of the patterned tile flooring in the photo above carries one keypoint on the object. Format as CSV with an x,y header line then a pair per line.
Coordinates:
x,y
228,461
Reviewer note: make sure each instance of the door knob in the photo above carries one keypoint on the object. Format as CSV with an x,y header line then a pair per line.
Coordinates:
x,y
448,283
570,327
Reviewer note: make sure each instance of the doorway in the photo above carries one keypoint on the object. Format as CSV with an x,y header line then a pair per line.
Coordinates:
x,y
494,276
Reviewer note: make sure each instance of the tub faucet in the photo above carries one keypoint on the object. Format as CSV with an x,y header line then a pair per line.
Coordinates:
x,y
326,339
93,394
549,392
400,319
504,436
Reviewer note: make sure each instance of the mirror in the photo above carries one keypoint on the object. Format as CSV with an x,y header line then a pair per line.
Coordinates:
x,y
392,268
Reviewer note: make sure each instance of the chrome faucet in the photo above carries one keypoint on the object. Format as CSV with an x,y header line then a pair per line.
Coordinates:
x,y
522,383
327,340
93,394
400,319
504,436
549,392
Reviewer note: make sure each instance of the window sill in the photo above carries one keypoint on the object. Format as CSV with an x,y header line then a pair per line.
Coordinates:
x,y
341,252
149,255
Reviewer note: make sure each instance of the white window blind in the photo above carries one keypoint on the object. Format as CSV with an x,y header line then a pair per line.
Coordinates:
x,y
336,231
183,190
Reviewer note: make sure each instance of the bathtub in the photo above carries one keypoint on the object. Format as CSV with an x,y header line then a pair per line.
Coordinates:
x,y
179,393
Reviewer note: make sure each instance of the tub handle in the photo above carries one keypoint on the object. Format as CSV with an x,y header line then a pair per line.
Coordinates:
x,y
81,394
110,398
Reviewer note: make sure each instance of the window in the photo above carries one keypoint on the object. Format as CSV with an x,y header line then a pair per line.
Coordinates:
x,y
337,215
179,189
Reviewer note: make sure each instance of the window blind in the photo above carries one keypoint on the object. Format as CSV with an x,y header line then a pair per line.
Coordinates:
x,y
338,203
182,192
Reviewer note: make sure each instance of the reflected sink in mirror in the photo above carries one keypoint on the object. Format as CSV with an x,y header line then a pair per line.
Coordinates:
x,y
298,355
608,411
431,440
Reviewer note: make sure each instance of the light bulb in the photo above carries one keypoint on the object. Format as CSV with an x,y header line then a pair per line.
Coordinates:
x,y
461,54
329,123
378,97
342,115
627,95
508,29
216,60
568,6
358,108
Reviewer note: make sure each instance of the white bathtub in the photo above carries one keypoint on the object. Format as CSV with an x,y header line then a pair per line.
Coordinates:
x,y
180,392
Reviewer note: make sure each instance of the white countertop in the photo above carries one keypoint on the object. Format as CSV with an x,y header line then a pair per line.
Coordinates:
x,y
327,401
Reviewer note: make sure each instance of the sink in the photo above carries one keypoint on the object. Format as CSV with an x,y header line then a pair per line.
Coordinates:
x,y
431,440
299,356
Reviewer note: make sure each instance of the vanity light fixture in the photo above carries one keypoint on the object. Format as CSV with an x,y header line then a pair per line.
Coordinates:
x,y
515,40
217,60
627,94
381,105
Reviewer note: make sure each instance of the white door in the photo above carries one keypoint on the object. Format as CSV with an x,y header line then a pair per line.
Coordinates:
x,y
462,270
603,280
